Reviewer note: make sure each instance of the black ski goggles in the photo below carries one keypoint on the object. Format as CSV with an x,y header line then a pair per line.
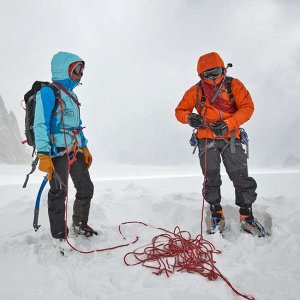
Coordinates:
x,y
212,73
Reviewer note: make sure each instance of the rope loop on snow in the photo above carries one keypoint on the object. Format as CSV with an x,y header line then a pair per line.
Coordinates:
x,y
177,251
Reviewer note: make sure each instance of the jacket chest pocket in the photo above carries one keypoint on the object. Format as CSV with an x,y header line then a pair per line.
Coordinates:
x,y
69,113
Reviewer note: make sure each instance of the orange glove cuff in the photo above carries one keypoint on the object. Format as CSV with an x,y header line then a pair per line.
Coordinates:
x,y
46,165
87,156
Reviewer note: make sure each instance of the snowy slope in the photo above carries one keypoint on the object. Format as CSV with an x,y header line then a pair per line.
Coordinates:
x,y
264,268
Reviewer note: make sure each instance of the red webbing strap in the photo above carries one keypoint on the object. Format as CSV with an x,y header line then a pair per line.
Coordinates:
x,y
61,87
219,102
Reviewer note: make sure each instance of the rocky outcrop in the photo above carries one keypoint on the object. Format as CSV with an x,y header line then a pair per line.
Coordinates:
x,y
11,149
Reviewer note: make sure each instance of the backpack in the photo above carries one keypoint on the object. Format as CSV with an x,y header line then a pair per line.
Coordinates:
x,y
29,107
30,102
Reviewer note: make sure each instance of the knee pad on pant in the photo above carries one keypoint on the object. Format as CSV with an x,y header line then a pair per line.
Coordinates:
x,y
245,188
212,187
213,178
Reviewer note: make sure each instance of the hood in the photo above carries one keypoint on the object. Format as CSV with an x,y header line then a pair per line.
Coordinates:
x,y
209,61
60,65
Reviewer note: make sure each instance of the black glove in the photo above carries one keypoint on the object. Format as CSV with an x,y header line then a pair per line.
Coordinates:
x,y
219,128
195,120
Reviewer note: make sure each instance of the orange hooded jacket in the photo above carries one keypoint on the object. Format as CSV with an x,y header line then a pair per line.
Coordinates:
x,y
242,98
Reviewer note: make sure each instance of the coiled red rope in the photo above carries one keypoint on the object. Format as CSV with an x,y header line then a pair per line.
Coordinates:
x,y
177,251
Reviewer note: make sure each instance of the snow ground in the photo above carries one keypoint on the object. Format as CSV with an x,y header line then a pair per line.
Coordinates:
x,y
163,197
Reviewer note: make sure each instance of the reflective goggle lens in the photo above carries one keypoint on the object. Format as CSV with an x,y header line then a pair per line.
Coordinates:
x,y
212,73
78,69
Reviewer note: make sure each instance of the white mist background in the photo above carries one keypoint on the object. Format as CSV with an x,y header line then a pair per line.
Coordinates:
x,y
141,57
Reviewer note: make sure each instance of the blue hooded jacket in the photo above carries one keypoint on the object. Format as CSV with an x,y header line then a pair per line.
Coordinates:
x,y
49,122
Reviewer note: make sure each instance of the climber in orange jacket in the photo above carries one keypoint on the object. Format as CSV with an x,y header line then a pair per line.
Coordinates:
x,y
222,105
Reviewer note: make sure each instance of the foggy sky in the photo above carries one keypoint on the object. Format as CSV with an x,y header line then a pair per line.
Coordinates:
x,y
141,57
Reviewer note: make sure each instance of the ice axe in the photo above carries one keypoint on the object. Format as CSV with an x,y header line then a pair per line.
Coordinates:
x,y
38,199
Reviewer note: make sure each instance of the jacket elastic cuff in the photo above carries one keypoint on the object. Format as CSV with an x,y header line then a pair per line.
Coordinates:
x,y
231,124
44,153
187,118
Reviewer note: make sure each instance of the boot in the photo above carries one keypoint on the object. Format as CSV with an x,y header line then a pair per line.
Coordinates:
x,y
250,225
86,230
217,222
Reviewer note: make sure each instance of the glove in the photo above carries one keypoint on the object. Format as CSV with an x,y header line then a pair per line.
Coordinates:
x,y
195,120
46,165
87,156
219,128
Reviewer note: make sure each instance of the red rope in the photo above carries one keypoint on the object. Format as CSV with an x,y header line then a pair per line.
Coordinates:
x,y
177,251
204,187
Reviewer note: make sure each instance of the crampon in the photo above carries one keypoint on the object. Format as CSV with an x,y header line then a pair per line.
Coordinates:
x,y
252,226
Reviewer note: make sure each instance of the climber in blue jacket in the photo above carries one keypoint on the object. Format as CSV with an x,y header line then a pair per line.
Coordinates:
x,y
62,146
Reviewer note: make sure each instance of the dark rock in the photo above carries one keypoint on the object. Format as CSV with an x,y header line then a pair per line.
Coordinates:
x,y
11,149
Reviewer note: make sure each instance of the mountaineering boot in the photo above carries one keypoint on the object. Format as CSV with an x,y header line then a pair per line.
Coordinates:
x,y
84,230
250,225
217,222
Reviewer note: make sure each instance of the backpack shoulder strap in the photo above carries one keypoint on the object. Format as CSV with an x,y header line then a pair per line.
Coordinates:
x,y
59,86
200,103
57,95
55,90
228,82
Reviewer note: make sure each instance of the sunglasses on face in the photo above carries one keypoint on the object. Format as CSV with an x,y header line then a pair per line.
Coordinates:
x,y
212,73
